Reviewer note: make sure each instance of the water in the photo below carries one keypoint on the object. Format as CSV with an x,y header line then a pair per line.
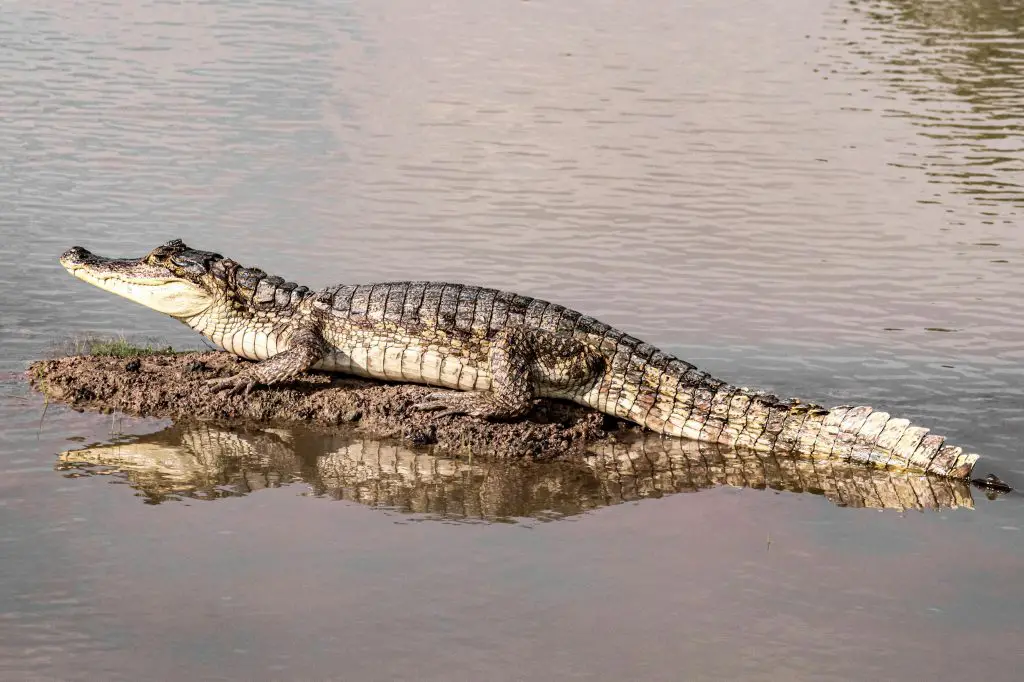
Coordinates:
x,y
818,198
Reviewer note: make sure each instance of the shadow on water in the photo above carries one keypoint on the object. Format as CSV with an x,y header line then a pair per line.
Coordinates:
x,y
961,63
209,462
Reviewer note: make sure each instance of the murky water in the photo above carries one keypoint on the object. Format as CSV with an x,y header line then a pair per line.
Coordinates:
x,y
819,198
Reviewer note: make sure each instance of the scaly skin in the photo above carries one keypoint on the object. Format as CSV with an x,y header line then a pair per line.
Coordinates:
x,y
502,350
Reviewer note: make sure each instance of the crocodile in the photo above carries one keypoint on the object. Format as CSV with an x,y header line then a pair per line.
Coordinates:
x,y
496,352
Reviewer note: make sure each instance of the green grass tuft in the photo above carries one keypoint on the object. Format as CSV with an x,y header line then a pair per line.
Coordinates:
x,y
113,347
121,348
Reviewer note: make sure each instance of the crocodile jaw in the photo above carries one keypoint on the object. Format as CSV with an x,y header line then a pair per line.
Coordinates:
x,y
151,285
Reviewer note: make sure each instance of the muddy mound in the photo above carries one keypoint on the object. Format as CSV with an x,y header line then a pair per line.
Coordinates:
x,y
174,386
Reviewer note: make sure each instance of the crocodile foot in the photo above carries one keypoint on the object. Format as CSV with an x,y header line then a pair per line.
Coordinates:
x,y
451,403
237,384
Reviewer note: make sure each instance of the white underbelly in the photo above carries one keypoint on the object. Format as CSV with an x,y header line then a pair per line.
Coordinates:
x,y
249,344
408,364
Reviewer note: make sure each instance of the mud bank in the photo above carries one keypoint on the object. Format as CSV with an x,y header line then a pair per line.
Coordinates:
x,y
174,387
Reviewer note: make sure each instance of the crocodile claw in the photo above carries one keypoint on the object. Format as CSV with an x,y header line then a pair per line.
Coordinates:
x,y
233,385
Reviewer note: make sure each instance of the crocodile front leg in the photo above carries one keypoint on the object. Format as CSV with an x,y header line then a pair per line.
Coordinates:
x,y
524,364
305,349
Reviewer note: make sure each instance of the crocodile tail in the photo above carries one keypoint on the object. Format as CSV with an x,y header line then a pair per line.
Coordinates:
x,y
862,434
711,411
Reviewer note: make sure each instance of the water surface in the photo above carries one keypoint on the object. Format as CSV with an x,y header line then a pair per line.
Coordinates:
x,y
817,198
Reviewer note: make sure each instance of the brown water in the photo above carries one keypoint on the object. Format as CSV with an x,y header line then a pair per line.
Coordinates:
x,y
819,198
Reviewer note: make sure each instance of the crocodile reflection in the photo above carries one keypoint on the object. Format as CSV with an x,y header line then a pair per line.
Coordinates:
x,y
211,462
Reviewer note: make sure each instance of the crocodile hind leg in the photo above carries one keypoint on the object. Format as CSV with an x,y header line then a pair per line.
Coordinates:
x,y
524,364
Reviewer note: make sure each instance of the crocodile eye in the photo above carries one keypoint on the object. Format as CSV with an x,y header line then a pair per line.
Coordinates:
x,y
158,254
186,265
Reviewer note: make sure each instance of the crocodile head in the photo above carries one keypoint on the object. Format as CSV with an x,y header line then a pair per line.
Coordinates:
x,y
171,279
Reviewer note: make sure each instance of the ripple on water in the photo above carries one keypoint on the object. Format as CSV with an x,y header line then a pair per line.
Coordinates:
x,y
955,70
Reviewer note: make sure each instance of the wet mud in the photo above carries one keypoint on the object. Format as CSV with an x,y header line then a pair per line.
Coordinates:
x,y
174,387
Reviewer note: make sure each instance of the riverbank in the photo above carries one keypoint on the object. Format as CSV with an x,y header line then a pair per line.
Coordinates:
x,y
174,386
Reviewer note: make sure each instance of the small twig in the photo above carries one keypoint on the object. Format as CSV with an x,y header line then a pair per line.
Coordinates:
x,y
46,405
